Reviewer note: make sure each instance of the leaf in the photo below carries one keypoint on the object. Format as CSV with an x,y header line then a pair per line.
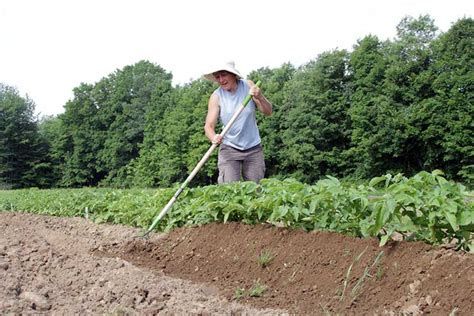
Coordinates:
x,y
384,240
226,217
437,172
378,220
466,218
374,181
296,214
452,221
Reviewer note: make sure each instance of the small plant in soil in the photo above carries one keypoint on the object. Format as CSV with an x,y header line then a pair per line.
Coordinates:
x,y
265,258
348,274
239,293
325,310
357,289
257,289
380,273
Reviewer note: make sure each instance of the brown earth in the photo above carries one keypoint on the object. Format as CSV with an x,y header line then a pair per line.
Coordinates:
x,y
71,265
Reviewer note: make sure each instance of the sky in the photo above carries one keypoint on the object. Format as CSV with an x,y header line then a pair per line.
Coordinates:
x,y
49,47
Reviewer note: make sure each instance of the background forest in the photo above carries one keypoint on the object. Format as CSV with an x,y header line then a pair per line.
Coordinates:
x,y
402,105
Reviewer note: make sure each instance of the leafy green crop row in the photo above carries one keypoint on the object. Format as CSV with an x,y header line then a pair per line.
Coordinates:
x,y
424,207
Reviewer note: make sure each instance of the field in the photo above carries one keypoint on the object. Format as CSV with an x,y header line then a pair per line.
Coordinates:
x,y
70,265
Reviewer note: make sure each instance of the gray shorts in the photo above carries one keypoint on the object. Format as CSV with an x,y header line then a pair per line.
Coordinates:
x,y
235,165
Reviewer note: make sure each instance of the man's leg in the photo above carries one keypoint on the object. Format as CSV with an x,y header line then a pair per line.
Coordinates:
x,y
229,165
253,166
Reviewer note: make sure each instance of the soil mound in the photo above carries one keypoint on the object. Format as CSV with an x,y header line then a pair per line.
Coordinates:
x,y
316,272
51,265
46,268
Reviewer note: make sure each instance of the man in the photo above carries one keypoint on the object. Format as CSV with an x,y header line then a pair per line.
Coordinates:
x,y
240,154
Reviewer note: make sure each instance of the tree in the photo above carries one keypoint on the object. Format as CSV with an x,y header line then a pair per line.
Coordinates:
x,y
133,92
105,122
174,138
446,119
385,136
85,136
316,129
367,65
52,131
22,151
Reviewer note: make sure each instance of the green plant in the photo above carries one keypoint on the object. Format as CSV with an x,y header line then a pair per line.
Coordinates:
x,y
357,289
239,293
257,289
324,309
380,273
265,258
348,273
424,207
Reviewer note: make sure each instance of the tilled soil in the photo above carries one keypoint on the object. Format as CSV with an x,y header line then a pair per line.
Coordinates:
x,y
71,265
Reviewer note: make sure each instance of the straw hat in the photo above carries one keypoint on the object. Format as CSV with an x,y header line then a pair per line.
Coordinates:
x,y
229,66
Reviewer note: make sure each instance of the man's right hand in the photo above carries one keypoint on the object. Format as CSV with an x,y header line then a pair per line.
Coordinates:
x,y
217,139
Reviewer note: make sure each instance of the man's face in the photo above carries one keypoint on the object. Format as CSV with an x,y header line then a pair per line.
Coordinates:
x,y
225,79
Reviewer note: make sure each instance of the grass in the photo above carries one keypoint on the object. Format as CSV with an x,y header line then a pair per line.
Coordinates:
x,y
265,257
348,273
257,289
239,293
357,288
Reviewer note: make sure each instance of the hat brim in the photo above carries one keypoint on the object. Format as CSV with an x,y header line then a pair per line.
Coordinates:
x,y
210,75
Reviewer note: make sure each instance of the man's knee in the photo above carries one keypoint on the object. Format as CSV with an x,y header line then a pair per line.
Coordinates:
x,y
229,172
255,175
254,171
253,168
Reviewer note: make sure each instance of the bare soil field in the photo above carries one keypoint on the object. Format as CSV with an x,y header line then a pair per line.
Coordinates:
x,y
52,265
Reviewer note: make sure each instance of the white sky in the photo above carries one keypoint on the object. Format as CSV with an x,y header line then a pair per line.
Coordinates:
x,y
48,47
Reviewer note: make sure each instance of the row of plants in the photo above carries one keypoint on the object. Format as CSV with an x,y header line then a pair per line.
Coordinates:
x,y
424,207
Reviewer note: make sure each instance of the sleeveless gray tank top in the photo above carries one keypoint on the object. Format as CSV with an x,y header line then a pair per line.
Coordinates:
x,y
244,132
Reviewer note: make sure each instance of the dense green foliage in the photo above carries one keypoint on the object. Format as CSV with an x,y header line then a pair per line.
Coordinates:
x,y
22,149
396,106
104,124
424,207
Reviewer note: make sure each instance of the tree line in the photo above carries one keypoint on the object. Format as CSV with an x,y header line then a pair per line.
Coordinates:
x,y
401,105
